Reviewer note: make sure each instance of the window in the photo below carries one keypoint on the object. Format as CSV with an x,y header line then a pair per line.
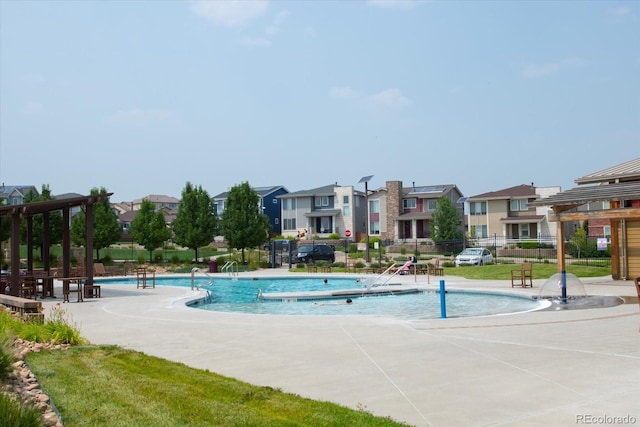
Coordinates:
x,y
606,230
346,211
276,221
289,204
374,227
345,200
478,208
374,206
479,231
524,230
321,201
409,203
519,205
288,223
431,205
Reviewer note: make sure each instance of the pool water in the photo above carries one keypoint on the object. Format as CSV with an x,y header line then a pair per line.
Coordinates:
x,y
241,295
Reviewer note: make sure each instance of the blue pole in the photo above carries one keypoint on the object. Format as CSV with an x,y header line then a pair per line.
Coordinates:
x,y
564,286
443,301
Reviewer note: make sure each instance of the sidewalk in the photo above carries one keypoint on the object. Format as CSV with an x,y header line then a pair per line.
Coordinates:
x,y
552,368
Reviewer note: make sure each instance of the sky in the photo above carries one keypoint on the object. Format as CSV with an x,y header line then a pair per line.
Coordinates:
x,y
141,97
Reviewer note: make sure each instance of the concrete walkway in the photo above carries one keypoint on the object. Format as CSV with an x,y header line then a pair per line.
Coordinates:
x,y
551,368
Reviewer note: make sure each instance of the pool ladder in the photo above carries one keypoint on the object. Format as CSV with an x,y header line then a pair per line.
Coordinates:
x,y
230,267
193,273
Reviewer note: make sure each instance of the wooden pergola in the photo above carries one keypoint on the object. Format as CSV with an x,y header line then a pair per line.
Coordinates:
x,y
28,211
624,253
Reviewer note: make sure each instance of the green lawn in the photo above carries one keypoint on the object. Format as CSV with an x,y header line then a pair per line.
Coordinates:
x,y
540,271
111,386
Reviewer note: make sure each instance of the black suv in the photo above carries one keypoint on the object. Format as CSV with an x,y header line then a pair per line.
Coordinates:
x,y
313,253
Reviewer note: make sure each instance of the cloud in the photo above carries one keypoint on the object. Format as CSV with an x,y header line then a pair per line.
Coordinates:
x,y
229,13
278,22
393,4
342,92
533,71
389,98
621,11
140,117
32,108
255,42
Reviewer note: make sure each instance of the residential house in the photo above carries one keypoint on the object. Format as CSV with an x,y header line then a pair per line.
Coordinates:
x,y
269,204
405,213
617,189
159,201
508,214
15,194
322,211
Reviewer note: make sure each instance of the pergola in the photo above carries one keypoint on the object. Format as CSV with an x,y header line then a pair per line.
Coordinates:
x,y
624,252
28,211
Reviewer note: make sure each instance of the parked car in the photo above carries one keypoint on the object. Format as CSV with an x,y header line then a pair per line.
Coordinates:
x,y
313,253
474,256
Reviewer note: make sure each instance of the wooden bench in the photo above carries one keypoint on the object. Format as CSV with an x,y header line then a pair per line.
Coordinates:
x,y
27,308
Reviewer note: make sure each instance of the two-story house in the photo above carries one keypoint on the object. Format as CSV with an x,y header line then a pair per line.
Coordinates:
x,y
322,211
14,194
159,201
405,213
269,204
508,214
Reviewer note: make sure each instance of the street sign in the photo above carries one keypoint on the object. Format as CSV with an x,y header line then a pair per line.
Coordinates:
x,y
347,233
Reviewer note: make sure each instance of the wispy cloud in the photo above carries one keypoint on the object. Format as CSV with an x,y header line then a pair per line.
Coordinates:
x,y
621,11
533,71
342,92
255,41
389,98
394,4
32,108
140,117
229,13
278,22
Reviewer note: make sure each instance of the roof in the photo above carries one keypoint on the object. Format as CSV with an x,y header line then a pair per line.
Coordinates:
x,y
6,190
262,191
35,208
156,198
628,171
593,193
327,190
322,212
523,219
519,191
427,191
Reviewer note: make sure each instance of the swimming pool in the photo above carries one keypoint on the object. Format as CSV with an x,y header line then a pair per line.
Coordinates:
x,y
241,295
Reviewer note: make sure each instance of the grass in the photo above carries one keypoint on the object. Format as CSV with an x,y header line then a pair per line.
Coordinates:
x,y
540,271
112,386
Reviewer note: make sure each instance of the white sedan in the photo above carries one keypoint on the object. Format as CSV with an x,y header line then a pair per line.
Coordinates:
x,y
474,256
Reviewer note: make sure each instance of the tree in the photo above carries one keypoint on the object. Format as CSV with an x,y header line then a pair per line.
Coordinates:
x,y
106,229
196,222
55,221
149,228
243,225
445,222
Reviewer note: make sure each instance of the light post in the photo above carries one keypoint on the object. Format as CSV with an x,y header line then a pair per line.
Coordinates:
x,y
366,179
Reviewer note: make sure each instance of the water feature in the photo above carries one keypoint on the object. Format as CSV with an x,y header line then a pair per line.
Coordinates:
x,y
574,295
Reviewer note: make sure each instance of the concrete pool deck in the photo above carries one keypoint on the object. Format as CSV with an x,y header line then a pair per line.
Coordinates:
x,y
552,368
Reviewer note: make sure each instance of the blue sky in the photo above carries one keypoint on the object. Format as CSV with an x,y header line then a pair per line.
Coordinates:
x,y
140,97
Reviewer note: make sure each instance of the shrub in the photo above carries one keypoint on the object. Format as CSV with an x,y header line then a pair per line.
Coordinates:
x,y
359,264
333,236
7,356
107,260
14,413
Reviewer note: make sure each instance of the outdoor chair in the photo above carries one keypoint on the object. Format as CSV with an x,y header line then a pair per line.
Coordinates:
x,y
522,275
